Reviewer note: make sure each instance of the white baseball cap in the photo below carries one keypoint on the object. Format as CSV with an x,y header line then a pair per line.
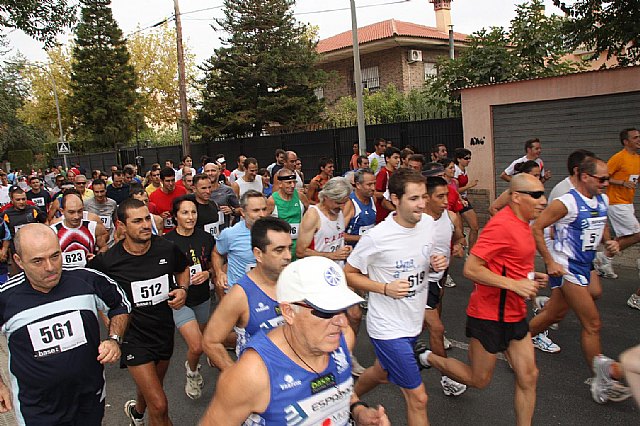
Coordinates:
x,y
317,281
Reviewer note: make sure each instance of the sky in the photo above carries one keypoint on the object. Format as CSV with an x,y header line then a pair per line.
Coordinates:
x,y
330,16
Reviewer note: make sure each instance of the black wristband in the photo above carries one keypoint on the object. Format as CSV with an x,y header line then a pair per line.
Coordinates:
x,y
181,287
356,404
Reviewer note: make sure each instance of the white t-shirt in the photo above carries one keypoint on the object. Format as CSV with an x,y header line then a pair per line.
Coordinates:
x,y
560,189
235,175
4,195
376,162
512,171
442,233
179,173
389,252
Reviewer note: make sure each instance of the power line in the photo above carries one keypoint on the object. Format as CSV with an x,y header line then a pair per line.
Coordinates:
x,y
348,8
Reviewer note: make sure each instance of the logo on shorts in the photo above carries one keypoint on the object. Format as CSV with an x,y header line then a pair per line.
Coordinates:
x,y
289,382
162,262
261,307
332,276
130,357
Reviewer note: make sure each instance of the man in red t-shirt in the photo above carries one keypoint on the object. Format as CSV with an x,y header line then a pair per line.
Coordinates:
x,y
163,197
383,205
501,268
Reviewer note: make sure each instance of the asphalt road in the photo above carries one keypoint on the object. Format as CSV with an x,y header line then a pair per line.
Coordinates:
x,y
562,397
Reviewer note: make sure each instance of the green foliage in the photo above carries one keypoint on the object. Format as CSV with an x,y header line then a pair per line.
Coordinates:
x,y
40,19
14,132
264,72
608,27
385,106
532,47
103,82
21,158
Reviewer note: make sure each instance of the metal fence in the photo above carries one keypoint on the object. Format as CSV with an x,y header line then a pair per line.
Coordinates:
x,y
310,146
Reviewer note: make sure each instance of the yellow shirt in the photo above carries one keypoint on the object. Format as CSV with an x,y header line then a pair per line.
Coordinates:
x,y
622,166
150,189
88,194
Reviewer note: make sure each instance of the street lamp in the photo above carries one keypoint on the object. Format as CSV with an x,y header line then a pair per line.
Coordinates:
x,y
55,98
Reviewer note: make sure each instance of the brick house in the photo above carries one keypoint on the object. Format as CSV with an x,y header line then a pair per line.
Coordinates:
x,y
391,52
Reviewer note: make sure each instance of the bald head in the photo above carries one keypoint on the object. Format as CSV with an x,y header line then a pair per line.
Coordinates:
x,y
525,182
34,234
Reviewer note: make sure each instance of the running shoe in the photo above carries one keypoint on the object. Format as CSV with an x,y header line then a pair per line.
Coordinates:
x,y
634,301
451,387
449,282
602,382
603,266
447,343
195,382
538,304
542,342
418,349
129,410
356,368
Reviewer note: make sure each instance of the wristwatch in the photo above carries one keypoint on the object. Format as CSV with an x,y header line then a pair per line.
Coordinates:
x,y
115,337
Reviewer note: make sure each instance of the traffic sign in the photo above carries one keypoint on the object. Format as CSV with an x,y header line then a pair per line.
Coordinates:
x,y
63,148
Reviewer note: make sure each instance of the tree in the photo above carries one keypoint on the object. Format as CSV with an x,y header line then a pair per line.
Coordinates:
x,y
264,72
103,82
40,19
154,58
532,47
609,27
14,133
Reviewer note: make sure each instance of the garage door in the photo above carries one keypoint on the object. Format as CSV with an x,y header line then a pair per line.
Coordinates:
x,y
563,126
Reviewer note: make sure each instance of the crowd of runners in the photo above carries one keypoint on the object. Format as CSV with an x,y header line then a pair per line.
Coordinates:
x,y
292,270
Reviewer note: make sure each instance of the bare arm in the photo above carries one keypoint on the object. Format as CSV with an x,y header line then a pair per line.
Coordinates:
x,y
304,199
53,208
102,237
476,270
348,212
236,188
312,191
505,177
271,205
231,311
499,203
553,213
241,390
218,267
356,279
470,184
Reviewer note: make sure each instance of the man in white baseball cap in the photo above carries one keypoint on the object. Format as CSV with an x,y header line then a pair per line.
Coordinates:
x,y
316,368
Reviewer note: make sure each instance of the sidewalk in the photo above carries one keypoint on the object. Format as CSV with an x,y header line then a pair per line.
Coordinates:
x,y
7,419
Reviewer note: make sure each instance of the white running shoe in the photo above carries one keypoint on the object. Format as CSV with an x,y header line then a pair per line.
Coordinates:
x,y
538,304
356,368
449,282
447,343
451,387
129,408
603,266
634,301
542,342
602,382
195,382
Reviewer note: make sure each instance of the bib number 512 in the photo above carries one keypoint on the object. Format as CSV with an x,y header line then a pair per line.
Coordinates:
x,y
149,291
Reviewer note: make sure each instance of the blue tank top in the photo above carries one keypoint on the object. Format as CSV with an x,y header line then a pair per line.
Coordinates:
x,y
364,216
580,238
154,228
264,313
300,397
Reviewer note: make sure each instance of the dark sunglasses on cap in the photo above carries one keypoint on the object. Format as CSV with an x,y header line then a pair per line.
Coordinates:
x,y
534,194
320,314
601,179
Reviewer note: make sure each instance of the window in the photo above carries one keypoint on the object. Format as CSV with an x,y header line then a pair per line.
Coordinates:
x,y
430,70
370,79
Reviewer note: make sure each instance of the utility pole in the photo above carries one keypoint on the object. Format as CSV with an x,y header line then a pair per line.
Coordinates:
x,y
184,117
357,76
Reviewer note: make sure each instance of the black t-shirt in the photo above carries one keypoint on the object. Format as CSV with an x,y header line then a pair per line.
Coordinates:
x,y
42,199
16,219
118,194
146,279
274,170
210,218
197,247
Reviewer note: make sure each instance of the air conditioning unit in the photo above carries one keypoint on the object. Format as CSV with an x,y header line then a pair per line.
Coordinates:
x,y
414,55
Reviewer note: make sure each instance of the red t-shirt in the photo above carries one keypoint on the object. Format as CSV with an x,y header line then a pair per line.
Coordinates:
x,y
382,181
455,204
164,203
507,245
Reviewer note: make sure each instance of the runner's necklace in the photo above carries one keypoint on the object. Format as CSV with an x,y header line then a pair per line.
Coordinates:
x,y
298,355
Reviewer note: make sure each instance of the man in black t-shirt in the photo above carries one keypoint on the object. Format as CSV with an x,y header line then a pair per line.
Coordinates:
x,y
37,194
210,217
155,276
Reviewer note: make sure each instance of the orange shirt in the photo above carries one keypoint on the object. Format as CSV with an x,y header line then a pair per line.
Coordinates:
x,y
622,166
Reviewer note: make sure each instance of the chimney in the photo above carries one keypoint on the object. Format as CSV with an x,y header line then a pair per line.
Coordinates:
x,y
443,14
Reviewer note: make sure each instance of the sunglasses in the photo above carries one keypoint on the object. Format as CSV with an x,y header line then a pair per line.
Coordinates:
x,y
601,179
466,158
320,314
534,194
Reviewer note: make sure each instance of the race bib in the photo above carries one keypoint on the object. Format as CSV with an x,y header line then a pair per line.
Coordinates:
x,y
150,292
592,235
295,228
364,229
168,223
74,258
38,201
416,280
195,269
212,228
633,178
58,334
106,221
